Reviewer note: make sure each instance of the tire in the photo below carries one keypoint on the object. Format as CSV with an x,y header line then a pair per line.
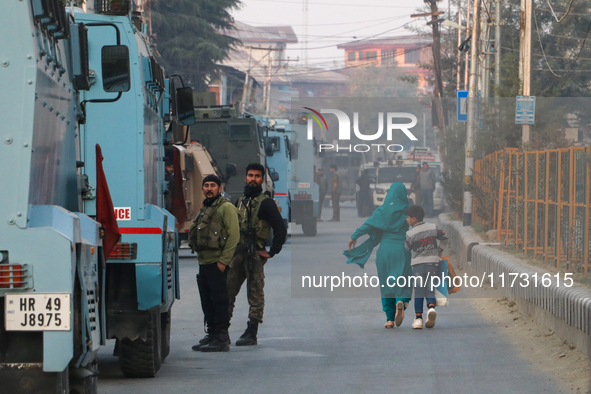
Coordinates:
x,y
87,385
310,227
165,334
142,358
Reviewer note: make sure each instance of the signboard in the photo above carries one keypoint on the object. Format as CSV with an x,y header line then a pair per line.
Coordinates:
x,y
123,213
420,157
462,96
525,109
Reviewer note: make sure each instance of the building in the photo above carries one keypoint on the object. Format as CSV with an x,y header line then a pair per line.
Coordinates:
x,y
406,52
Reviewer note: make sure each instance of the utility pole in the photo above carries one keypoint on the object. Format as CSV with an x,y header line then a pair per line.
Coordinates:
x,y
267,89
471,125
486,52
467,60
245,88
497,45
305,46
459,66
525,58
436,47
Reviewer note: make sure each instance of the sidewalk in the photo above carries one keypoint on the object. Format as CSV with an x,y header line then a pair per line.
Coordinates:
x,y
564,310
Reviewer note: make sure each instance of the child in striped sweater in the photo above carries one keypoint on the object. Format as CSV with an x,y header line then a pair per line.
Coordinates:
x,y
426,242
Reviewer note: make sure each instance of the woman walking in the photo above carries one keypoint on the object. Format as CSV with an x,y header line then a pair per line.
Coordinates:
x,y
387,227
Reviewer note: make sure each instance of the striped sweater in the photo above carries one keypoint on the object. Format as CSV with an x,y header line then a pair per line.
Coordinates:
x,y
422,240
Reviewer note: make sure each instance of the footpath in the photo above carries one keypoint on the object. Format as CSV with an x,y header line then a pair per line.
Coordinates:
x,y
546,298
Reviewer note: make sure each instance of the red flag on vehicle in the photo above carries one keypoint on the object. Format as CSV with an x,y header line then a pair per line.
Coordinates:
x,y
105,212
179,207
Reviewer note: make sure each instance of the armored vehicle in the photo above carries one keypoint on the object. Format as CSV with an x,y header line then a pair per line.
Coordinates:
x,y
52,266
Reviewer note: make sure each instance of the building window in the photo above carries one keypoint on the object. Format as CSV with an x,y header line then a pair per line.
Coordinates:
x,y
372,55
360,55
412,55
389,57
351,56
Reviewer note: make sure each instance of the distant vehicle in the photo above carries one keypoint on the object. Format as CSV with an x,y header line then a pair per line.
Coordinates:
x,y
232,141
304,192
403,169
277,142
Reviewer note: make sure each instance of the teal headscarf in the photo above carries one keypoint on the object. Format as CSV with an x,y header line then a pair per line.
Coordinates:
x,y
388,217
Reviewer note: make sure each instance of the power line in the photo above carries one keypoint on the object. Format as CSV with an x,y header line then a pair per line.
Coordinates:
x,y
570,6
326,24
544,53
337,4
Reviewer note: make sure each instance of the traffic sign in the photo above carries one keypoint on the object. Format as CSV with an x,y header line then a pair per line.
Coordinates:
x,y
462,96
525,109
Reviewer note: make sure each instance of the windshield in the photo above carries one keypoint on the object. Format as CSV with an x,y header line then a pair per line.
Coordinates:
x,y
371,171
397,174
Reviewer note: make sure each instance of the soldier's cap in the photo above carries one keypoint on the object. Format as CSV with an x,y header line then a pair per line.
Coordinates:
x,y
212,178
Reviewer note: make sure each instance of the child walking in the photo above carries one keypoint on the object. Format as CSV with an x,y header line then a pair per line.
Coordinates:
x,y
426,242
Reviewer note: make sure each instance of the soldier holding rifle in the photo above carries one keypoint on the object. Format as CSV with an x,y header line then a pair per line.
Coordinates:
x,y
257,214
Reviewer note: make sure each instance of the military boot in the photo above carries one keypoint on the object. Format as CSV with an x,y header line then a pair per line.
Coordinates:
x,y
205,340
219,343
249,337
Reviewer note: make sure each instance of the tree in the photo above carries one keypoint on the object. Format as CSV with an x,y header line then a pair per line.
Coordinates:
x,y
187,37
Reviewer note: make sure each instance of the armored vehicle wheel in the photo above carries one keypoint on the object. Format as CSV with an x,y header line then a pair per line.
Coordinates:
x,y
84,380
165,342
142,358
310,227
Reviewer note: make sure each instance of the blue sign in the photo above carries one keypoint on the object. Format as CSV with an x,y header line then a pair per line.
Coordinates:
x,y
525,109
462,105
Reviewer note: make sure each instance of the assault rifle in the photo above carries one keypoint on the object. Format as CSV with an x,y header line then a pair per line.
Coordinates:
x,y
250,234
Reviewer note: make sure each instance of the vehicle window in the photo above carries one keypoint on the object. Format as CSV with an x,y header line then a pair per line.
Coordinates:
x,y
275,141
240,132
397,174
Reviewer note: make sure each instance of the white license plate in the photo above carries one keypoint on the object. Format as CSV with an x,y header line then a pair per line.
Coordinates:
x,y
37,312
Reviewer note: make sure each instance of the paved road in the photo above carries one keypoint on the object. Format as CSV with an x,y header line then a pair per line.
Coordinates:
x,y
331,345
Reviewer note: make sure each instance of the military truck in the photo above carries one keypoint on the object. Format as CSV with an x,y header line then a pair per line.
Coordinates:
x,y
232,141
125,114
52,266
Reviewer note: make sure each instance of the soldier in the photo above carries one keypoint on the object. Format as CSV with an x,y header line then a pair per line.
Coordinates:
x,y
214,235
258,214
322,182
337,189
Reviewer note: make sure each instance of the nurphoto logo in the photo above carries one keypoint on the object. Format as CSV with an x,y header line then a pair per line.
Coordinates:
x,y
344,130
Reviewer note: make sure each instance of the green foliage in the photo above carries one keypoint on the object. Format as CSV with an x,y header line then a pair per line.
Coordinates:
x,y
187,38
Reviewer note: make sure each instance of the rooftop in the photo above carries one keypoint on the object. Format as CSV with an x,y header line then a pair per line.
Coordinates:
x,y
414,40
262,34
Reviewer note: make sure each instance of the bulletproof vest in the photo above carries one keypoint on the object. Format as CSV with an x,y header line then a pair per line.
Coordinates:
x,y
262,227
207,230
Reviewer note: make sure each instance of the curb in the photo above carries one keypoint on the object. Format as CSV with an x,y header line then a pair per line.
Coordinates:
x,y
564,310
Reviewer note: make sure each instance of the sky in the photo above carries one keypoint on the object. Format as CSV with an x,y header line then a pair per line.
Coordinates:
x,y
331,22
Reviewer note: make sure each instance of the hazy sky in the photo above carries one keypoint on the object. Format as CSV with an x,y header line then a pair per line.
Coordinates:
x,y
331,22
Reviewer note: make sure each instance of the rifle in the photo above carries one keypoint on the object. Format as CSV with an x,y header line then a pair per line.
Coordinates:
x,y
250,246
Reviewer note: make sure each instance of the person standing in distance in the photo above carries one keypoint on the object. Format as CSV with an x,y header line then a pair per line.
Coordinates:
x,y
336,194
322,182
214,235
427,184
258,210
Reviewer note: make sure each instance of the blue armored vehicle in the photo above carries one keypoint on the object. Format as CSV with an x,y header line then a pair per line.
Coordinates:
x,y
52,307
125,114
304,192
278,151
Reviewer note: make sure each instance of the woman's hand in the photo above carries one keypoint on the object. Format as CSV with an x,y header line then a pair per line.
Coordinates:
x,y
352,243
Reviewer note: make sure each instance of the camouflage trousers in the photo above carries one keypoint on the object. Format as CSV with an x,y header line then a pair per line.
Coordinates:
x,y
254,285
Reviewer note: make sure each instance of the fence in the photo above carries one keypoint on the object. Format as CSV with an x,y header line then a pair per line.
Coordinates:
x,y
539,201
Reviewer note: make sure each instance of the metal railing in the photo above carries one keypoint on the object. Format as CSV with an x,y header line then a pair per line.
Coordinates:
x,y
539,201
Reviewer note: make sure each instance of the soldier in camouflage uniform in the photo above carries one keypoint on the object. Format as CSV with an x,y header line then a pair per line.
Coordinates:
x,y
259,211
214,235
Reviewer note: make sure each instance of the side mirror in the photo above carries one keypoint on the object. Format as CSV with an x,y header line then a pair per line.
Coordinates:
x,y
274,176
230,170
185,111
115,68
269,150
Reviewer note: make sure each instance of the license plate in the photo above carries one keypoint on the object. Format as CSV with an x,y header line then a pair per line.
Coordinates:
x,y
37,312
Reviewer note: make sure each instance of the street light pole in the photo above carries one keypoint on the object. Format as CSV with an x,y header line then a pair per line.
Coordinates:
x,y
471,125
525,58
